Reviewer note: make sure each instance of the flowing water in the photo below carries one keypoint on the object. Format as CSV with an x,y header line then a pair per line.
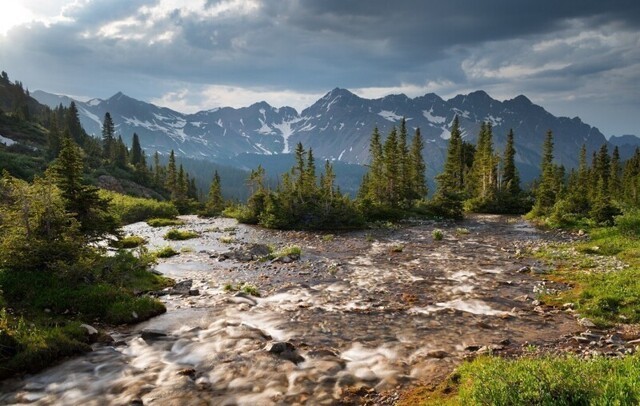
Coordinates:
x,y
384,309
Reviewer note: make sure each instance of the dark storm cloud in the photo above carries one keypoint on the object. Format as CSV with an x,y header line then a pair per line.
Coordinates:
x,y
511,46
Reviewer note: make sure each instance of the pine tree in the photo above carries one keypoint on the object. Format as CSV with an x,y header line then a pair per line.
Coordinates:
x,y
375,184
546,192
121,151
158,176
451,180
510,177
391,164
54,139
404,165
417,168
108,138
136,150
72,123
615,180
172,174
83,201
215,201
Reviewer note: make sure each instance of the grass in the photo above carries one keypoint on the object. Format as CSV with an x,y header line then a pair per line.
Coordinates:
x,y
292,251
166,252
560,380
129,209
130,241
164,222
41,312
599,290
227,239
397,248
437,234
175,234
328,237
242,287
462,231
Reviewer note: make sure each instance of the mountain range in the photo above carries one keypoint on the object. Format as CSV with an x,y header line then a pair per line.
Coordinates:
x,y
338,127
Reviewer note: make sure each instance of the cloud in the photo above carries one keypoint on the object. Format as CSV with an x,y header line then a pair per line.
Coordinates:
x,y
270,50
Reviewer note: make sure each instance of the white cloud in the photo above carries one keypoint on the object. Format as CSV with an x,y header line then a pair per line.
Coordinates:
x,y
189,100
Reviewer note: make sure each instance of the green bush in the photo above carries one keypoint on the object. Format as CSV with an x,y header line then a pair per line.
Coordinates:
x,y
160,222
130,209
175,234
629,223
130,241
437,234
166,252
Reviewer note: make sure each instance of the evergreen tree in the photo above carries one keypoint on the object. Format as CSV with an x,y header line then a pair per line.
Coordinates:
x,y
417,168
172,174
136,150
54,139
120,158
510,177
546,191
215,201
108,138
615,180
451,180
83,201
392,164
72,123
404,165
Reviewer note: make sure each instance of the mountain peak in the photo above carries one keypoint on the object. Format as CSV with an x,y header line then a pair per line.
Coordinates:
x,y
522,99
338,91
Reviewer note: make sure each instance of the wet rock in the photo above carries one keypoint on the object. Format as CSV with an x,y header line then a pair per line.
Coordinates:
x,y
190,372
90,330
286,351
194,292
136,402
580,339
524,269
151,334
156,272
241,297
182,288
439,354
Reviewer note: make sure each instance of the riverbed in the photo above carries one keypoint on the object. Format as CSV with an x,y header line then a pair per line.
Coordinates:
x,y
384,308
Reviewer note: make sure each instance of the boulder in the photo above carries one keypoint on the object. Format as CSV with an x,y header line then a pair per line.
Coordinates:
x,y
182,288
285,351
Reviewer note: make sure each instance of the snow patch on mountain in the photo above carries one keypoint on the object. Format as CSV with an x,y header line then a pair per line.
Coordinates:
x,y
428,114
264,128
90,115
389,115
286,131
94,102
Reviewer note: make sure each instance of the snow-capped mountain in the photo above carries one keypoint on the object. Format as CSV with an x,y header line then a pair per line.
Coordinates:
x,y
338,126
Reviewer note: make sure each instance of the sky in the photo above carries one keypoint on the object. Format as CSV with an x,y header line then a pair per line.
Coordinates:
x,y
573,57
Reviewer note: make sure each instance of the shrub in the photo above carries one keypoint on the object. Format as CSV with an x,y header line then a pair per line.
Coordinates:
x,y
130,241
163,222
175,234
166,252
437,234
226,239
629,223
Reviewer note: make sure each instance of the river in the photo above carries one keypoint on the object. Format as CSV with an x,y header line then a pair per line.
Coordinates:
x,y
385,308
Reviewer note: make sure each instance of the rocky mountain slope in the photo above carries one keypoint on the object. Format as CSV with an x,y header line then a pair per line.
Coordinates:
x,y
338,126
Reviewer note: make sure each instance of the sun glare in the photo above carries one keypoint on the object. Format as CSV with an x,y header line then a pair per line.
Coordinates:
x,y
13,14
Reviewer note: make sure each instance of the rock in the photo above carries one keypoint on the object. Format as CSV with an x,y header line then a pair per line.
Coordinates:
x,y
156,272
134,315
472,348
194,292
580,339
136,402
182,288
241,297
151,334
439,354
286,351
524,269
89,329
567,306
585,322
506,341
190,372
